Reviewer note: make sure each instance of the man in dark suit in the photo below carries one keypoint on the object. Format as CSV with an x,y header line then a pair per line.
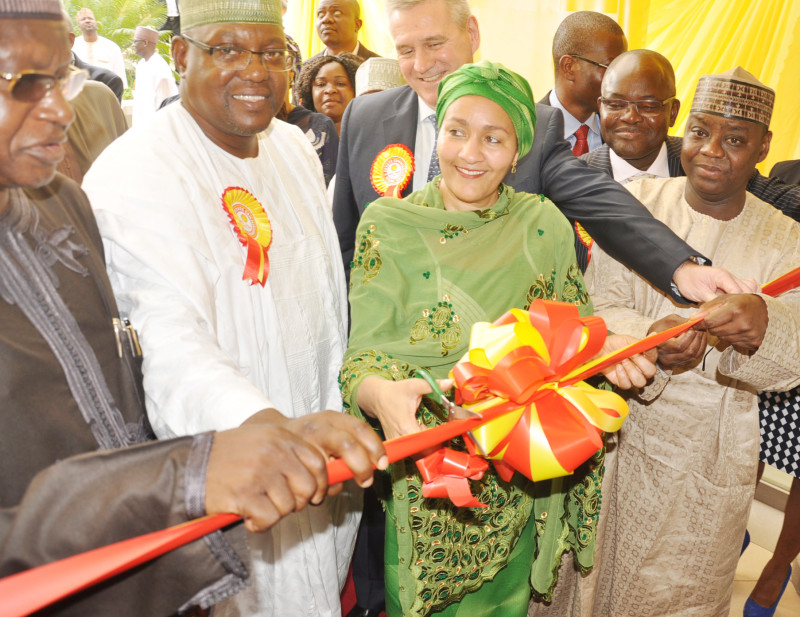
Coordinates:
x,y
337,23
637,109
433,38
583,46
788,171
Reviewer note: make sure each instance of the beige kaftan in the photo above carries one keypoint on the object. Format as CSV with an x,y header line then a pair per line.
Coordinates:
x,y
678,502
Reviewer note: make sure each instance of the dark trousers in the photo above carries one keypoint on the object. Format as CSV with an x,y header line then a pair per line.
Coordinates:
x,y
368,557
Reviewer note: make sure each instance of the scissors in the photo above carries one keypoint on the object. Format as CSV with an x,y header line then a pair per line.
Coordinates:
x,y
454,412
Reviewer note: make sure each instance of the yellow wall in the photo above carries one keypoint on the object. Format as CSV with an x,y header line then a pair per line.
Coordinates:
x,y
698,36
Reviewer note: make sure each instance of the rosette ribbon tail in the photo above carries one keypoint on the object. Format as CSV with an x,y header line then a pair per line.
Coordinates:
x,y
256,266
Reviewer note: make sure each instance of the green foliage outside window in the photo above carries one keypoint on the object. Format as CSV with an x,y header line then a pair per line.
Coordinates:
x,y
117,21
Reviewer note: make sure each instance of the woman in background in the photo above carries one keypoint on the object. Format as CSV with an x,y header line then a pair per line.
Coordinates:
x,y
318,128
327,84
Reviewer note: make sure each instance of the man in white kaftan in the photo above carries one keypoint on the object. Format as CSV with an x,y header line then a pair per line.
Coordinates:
x,y
95,49
154,80
218,348
677,504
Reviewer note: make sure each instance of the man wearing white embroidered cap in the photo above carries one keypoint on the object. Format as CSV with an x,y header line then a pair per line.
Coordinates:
x,y
78,467
221,246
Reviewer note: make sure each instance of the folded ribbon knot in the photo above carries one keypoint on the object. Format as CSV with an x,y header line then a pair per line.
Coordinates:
x,y
517,363
445,474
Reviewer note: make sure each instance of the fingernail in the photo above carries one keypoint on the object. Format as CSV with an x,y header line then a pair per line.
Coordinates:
x,y
383,462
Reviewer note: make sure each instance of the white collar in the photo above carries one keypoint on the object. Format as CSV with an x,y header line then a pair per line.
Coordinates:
x,y
355,51
571,123
623,170
423,110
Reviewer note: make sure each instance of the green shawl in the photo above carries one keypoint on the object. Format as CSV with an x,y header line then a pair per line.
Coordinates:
x,y
420,278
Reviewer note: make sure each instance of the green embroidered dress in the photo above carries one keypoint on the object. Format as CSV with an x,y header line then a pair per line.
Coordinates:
x,y
420,278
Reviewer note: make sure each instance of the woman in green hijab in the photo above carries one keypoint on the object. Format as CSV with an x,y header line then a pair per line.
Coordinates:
x,y
465,248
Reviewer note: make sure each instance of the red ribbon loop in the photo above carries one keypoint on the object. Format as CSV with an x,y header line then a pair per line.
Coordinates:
x,y
529,354
445,474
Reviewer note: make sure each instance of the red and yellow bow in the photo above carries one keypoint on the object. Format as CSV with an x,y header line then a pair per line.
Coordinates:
x,y
519,363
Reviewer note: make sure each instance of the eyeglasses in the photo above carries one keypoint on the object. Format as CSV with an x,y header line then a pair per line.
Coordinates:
x,y
600,64
235,59
31,86
643,108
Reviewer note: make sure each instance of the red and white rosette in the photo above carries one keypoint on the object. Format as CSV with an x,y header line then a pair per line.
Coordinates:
x,y
392,170
252,227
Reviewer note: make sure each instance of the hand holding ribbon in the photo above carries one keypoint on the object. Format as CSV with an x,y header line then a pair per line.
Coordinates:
x,y
35,589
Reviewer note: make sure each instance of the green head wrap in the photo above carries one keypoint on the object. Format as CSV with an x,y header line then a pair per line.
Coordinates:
x,y
203,12
496,83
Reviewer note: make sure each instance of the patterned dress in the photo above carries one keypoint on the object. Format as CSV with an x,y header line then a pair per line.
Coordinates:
x,y
420,278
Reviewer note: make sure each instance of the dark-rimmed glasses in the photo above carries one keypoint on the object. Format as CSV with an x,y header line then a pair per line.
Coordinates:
x,y
32,86
643,108
600,64
236,59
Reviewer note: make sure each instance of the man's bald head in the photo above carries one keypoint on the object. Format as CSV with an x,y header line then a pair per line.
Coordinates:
x,y
584,44
638,106
337,23
579,31
86,22
646,63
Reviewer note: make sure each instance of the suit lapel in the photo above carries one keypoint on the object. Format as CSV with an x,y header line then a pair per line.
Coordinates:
x,y
674,157
400,126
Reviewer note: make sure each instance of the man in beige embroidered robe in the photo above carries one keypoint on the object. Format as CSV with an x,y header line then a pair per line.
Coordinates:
x,y
677,504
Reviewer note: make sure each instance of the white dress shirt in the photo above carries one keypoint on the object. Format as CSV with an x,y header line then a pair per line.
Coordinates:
x,y
571,124
423,145
625,172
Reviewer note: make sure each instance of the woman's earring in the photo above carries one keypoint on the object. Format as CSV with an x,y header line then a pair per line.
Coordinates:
x,y
514,167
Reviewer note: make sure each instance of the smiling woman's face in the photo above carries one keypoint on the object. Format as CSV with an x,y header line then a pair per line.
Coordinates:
x,y
332,91
477,145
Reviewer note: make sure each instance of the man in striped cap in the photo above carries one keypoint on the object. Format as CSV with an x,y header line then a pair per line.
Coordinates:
x,y
221,246
686,458
69,393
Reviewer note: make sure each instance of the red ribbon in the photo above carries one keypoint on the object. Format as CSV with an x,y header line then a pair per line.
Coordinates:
x,y
445,473
32,590
529,379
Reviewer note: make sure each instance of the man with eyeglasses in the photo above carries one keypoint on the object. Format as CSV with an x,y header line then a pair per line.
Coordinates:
x,y
583,46
220,245
154,80
70,388
677,499
637,109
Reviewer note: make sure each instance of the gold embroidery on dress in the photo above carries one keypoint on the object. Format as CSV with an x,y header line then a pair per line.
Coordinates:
x,y
574,289
440,322
542,289
367,257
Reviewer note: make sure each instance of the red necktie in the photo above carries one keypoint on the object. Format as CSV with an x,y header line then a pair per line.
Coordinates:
x,y
581,143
